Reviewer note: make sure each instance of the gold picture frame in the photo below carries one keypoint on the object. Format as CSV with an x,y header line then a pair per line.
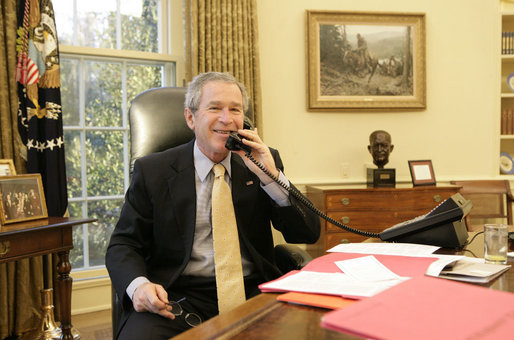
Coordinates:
x,y
356,61
7,167
22,198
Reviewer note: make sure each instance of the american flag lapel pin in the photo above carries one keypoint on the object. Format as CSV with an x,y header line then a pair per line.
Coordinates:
x,y
249,183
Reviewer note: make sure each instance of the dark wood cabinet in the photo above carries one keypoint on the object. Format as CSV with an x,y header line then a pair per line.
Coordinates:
x,y
370,209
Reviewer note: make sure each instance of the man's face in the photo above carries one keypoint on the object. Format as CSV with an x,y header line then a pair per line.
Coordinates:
x,y
220,112
380,149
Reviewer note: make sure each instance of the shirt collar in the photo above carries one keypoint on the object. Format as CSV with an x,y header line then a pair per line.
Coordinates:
x,y
203,165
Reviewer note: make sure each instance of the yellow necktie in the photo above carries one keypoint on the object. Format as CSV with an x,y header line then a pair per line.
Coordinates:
x,y
227,256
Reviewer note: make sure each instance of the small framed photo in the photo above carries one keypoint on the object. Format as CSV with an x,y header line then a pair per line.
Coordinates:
x,y
22,198
422,172
7,167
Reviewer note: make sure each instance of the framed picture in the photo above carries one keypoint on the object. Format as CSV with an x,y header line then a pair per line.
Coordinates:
x,y
7,167
422,172
22,198
360,60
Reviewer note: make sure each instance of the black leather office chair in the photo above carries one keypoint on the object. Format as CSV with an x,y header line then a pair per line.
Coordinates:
x,y
157,123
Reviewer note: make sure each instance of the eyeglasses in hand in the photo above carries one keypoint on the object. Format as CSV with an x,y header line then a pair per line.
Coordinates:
x,y
192,319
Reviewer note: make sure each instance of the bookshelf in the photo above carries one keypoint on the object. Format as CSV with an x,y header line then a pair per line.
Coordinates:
x,y
507,92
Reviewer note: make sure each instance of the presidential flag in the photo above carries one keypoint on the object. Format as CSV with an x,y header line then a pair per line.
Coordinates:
x,y
39,110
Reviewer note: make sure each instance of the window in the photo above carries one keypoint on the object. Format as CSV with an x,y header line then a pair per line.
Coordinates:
x,y
110,51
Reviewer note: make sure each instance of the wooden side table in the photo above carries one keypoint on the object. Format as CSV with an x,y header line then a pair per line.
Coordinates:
x,y
370,209
40,237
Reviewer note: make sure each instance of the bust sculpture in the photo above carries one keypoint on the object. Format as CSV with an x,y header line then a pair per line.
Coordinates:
x,y
380,147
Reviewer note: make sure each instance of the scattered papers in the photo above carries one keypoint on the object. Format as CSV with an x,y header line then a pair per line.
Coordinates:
x,y
455,267
442,261
407,249
400,265
470,270
361,270
327,283
366,268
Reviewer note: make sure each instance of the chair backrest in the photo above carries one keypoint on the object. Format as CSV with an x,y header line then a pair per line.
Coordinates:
x,y
492,202
157,121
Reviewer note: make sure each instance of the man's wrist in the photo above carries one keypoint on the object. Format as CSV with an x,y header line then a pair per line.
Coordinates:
x,y
138,281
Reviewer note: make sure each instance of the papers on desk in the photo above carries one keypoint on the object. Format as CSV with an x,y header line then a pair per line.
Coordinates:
x,y
428,308
328,283
452,267
474,270
407,249
394,297
358,276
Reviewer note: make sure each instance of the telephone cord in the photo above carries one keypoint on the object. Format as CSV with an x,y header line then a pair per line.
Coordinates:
x,y
300,197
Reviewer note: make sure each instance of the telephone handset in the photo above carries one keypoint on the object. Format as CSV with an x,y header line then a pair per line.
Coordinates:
x,y
235,143
234,140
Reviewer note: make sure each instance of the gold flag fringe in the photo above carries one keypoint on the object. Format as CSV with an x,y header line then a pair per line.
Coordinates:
x,y
51,78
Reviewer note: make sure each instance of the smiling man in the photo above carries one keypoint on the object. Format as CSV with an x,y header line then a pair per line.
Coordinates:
x,y
161,252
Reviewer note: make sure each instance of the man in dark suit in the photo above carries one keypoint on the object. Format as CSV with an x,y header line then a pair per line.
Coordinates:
x,y
162,250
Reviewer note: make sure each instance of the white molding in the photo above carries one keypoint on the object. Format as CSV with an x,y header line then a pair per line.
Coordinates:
x,y
90,295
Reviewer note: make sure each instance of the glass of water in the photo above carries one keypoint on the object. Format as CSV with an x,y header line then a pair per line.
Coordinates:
x,y
495,243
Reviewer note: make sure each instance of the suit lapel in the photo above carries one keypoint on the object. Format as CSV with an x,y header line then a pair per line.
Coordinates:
x,y
182,190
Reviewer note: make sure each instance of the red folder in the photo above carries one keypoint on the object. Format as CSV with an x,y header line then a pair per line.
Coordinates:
x,y
428,308
400,265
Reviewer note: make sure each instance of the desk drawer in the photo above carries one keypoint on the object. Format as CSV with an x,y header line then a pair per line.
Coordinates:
x,y
18,246
374,221
333,239
386,200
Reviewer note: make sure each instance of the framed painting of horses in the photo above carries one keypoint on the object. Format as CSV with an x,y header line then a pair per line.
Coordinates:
x,y
365,61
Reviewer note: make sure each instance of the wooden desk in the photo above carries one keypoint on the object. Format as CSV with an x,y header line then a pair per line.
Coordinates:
x,y
370,209
40,237
263,317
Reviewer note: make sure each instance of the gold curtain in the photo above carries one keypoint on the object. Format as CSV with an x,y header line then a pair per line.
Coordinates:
x,y
21,281
221,35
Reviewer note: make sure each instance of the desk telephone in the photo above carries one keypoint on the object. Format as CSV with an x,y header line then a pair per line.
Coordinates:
x,y
443,226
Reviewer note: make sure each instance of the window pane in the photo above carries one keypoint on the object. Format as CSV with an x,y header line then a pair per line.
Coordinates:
x,y
139,29
70,91
73,163
104,154
93,26
64,21
107,213
77,253
141,78
96,23
103,94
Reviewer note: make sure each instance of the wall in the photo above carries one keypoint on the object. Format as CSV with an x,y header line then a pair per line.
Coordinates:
x,y
457,131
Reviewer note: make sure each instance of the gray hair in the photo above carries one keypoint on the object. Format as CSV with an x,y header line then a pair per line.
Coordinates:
x,y
194,88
